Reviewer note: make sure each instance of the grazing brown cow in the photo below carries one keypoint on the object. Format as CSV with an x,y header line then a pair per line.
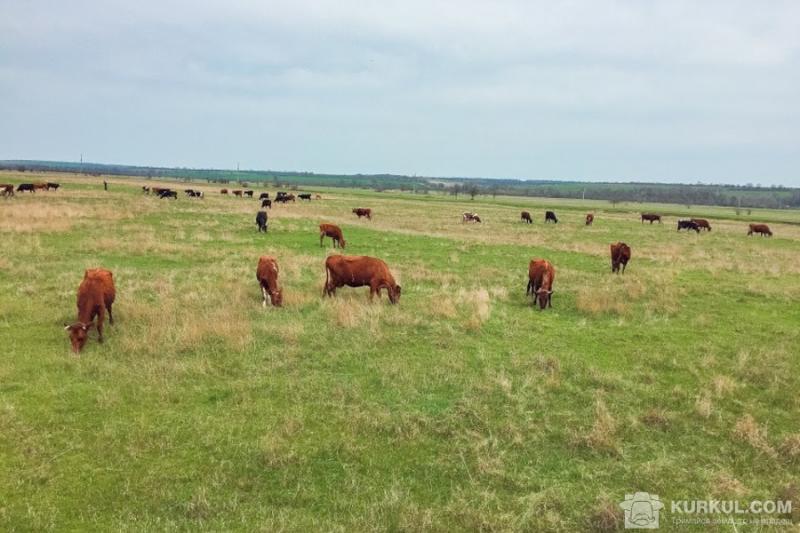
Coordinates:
x,y
361,212
651,217
540,282
96,294
763,229
359,271
470,217
620,255
701,223
589,219
6,190
318,197
526,217
158,190
223,191
237,192
40,186
267,276
334,232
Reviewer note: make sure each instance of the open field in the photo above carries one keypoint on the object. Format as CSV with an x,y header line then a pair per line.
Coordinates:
x,y
461,408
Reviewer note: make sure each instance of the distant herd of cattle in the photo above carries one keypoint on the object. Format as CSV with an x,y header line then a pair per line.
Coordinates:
x,y
96,292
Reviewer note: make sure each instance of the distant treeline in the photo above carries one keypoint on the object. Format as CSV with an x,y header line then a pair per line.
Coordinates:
x,y
697,194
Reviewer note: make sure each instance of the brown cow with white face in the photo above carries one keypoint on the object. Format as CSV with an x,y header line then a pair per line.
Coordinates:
x,y
334,232
589,219
540,281
96,294
360,271
620,255
267,276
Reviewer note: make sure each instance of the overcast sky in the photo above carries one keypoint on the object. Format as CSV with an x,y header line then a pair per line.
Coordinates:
x,y
601,90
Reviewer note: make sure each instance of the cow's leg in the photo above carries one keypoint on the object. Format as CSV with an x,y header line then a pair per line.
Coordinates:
x,y
99,322
321,236
264,295
110,314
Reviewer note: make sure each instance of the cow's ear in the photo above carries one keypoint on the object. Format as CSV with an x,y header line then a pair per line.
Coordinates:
x,y
66,327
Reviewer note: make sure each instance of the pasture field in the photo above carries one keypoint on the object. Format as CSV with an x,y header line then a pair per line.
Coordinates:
x,y
462,408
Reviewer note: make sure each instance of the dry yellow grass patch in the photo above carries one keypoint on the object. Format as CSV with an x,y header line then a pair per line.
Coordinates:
x,y
723,485
478,305
789,448
749,431
601,437
723,385
182,318
703,406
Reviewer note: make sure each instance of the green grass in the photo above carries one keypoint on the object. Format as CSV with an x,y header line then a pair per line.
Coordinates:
x,y
461,408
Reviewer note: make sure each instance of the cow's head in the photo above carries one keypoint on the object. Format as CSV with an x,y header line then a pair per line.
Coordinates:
x,y
543,297
277,298
394,294
341,242
78,334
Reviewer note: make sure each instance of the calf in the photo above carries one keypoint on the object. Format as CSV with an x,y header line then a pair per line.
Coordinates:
x,y
550,216
266,204
762,229
96,295
651,217
359,271
526,217
237,192
223,191
22,187
263,195
589,219
261,221
540,282
145,189
334,232
52,186
702,223
267,276
317,197
249,194
6,190
166,193
620,255
40,186
470,217
362,212
688,225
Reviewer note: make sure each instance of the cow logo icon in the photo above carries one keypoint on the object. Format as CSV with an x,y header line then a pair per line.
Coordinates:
x,y
641,510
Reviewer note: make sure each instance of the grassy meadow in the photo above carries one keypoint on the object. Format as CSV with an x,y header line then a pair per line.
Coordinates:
x,y
463,408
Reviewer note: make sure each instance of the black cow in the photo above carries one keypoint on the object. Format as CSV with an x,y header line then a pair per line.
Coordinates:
x,y
26,187
550,216
53,186
248,193
266,203
263,196
688,225
261,221
304,196
166,193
